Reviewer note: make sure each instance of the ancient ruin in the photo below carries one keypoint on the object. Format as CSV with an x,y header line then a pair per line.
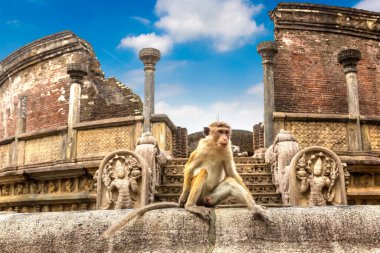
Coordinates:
x,y
320,82
73,140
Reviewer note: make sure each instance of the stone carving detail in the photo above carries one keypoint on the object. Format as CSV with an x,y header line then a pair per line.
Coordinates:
x,y
43,149
68,186
374,133
317,178
103,141
35,191
330,135
122,181
4,153
169,139
120,175
278,156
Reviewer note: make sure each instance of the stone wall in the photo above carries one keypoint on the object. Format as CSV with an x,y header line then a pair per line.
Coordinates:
x,y
308,77
319,229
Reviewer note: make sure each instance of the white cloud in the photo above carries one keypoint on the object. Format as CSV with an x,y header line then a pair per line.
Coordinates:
x,y
168,90
162,43
256,89
241,114
141,20
371,5
227,23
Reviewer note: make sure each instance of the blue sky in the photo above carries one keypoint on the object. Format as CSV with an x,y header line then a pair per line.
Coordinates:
x,y
209,66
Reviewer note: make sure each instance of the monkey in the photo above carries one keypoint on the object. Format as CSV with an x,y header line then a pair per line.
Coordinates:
x,y
210,175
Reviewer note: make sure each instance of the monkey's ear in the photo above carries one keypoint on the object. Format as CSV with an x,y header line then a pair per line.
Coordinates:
x,y
206,131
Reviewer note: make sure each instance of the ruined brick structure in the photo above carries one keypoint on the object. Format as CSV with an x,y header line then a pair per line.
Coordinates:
x,y
325,86
37,73
258,136
60,116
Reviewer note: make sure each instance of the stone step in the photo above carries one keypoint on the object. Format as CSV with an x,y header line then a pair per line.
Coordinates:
x,y
241,168
259,179
266,199
254,189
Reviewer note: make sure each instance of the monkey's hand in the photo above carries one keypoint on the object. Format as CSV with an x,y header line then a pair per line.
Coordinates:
x,y
263,213
183,199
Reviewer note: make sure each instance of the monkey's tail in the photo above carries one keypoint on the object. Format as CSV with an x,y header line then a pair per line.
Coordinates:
x,y
161,205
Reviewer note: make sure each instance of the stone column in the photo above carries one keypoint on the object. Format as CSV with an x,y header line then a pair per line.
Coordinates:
x,y
149,56
76,71
268,50
18,146
349,59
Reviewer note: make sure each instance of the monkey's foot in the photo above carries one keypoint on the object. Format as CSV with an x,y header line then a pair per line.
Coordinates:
x,y
263,213
200,210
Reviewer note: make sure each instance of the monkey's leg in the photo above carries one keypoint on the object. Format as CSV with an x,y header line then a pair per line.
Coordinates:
x,y
231,187
195,193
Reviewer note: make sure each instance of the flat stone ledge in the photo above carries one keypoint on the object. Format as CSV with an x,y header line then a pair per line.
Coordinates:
x,y
323,229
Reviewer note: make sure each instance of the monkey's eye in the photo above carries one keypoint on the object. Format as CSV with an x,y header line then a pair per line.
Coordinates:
x,y
221,131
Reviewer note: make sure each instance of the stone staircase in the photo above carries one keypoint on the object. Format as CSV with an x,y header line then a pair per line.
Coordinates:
x,y
255,173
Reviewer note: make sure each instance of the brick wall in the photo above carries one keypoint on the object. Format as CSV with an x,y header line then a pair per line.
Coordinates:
x,y
308,77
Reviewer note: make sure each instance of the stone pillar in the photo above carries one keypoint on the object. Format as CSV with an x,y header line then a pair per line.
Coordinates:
x,y
18,146
76,71
268,50
349,59
149,56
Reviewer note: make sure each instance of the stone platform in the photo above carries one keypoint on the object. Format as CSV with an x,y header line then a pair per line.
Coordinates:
x,y
325,229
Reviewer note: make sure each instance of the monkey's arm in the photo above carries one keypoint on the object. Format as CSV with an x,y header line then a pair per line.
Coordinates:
x,y
193,163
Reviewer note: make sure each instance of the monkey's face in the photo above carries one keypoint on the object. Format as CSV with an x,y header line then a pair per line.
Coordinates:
x,y
222,136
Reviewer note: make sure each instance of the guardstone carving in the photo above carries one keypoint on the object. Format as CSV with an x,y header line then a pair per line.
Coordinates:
x,y
317,178
122,181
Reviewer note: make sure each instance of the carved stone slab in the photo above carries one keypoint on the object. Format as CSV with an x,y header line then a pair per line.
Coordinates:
x,y
123,180
317,178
